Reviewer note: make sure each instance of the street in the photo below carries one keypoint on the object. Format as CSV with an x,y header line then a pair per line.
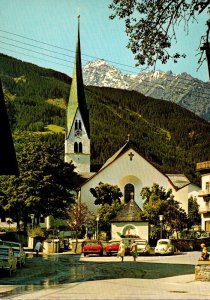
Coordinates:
x,y
50,272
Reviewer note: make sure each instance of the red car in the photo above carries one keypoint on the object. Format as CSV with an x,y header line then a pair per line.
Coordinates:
x,y
112,247
92,247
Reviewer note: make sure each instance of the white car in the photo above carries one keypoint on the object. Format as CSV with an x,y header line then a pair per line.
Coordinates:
x,y
143,247
164,246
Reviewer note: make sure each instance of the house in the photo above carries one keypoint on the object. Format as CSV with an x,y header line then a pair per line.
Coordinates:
x,y
204,194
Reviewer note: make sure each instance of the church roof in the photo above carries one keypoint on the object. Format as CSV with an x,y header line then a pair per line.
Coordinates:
x,y
130,213
8,161
77,94
178,180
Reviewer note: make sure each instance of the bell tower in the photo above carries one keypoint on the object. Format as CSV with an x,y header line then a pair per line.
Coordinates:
x,y
77,140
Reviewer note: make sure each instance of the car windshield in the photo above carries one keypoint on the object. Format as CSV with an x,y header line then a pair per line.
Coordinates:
x,y
3,252
163,243
114,243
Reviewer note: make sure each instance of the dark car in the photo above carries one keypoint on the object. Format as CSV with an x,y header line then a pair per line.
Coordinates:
x,y
92,247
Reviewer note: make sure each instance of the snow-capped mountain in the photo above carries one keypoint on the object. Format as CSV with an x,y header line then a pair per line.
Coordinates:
x,y
182,89
100,73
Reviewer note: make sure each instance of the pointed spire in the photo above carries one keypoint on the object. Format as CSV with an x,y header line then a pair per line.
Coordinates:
x,y
8,161
77,94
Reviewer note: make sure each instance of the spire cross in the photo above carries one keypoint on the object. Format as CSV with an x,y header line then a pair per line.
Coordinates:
x,y
131,155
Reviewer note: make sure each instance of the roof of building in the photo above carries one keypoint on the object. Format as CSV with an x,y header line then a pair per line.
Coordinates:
x,y
77,95
178,180
130,213
8,161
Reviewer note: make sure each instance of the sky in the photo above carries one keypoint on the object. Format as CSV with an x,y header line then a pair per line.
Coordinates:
x,y
43,32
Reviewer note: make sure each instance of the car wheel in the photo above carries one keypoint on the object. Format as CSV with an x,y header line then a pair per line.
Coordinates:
x,y
85,254
101,254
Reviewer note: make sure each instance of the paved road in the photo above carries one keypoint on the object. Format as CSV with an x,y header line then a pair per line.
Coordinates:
x,y
167,277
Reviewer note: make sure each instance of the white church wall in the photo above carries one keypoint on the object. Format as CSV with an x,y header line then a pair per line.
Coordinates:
x,y
182,197
137,171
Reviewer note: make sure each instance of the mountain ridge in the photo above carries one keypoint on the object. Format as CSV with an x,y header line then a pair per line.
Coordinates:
x,y
183,89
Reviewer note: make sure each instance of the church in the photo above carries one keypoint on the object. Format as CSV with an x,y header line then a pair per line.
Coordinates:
x,y
127,168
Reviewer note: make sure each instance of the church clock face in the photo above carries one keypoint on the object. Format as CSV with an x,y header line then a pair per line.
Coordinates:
x,y
78,133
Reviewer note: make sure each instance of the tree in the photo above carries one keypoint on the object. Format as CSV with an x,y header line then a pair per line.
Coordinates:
x,y
151,26
44,185
107,212
108,196
193,212
106,193
79,218
158,201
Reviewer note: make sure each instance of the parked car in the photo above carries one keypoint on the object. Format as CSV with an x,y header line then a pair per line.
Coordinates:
x,y
7,259
19,253
164,246
112,247
143,247
92,247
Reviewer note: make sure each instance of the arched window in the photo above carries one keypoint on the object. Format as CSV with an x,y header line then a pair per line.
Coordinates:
x,y
75,147
76,125
80,147
128,189
80,125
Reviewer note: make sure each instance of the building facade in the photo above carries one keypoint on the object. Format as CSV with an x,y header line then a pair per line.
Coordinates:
x,y
204,194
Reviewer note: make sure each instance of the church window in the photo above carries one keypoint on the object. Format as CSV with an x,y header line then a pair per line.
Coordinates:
x,y
128,192
75,147
76,125
80,125
80,147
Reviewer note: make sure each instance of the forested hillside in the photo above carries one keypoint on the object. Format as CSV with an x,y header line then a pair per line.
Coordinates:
x,y
170,136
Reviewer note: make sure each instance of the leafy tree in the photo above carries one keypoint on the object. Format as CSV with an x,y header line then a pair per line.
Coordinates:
x,y
108,196
107,212
45,182
158,201
193,212
151,26
106,193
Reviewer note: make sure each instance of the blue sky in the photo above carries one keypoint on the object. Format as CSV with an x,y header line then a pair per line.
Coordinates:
x,y
37,25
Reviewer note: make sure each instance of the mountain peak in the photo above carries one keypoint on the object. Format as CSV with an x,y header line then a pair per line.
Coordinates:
x,y
182,89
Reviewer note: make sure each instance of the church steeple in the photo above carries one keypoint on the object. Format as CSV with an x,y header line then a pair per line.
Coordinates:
x,y
77,94
77,143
